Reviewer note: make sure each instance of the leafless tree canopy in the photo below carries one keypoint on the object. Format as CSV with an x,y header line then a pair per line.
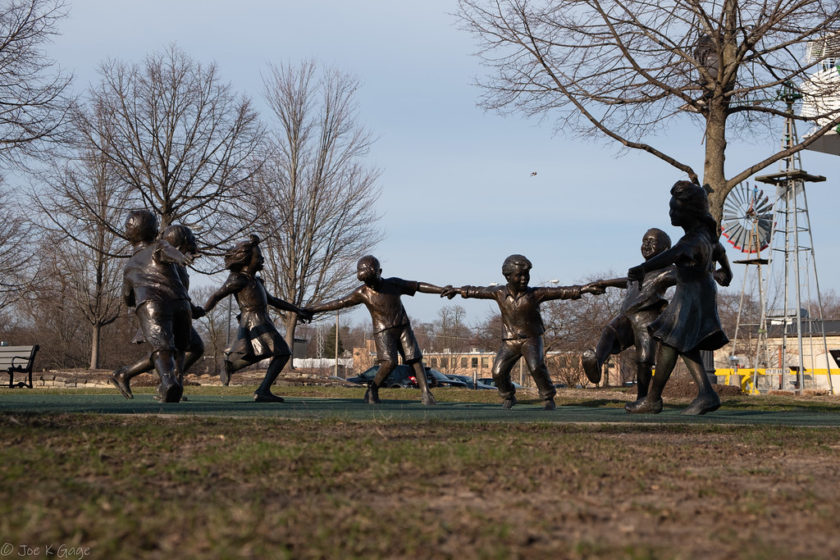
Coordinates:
x,y
627,68
32,103
80,198
15,248
177,139
316,194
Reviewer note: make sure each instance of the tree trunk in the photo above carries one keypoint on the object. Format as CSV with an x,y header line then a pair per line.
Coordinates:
x,y
713,168
291,325
94,346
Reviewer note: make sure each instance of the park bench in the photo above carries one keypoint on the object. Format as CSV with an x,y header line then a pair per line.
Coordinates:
x,y
18,359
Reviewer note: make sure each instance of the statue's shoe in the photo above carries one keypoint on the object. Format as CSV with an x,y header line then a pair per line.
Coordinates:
x,y
372,395
119,381
508,403
549,404
267,397
170,392
227,371
644,406
707,402
591,367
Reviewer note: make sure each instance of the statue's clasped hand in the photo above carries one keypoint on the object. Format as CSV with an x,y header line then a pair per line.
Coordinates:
x,y
449,292
304,315
636,274
594,288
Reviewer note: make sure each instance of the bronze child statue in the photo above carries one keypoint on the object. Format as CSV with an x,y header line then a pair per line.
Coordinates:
x,y
182,238
642,304
153,286
391,328
690,322
523,325
257,337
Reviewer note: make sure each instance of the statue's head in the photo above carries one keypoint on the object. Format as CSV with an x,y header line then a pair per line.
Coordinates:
x,y
141,226
689,205
517,271
515,262
182,238
654,241
244,253
368,269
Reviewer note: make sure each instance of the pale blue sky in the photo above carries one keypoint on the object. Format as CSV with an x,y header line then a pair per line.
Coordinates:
x,y
457,191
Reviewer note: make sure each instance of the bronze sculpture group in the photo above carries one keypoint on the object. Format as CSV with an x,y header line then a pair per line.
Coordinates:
x,y
156,284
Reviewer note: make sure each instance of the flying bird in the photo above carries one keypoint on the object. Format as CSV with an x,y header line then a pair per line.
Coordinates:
x,y
533,173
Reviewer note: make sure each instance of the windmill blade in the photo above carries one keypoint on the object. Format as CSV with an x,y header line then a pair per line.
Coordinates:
x,y
738,201
765,228
764,206
744,239
737,237
747,218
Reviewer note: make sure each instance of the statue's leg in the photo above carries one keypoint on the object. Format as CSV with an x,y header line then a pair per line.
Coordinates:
x,y
652,403
234,361
593,360
239,355
423,383
532,353
275,366
193,353
169,390
182,335
707,399
385,369
121,377
645,355
644,372
502,365
157,322
195,350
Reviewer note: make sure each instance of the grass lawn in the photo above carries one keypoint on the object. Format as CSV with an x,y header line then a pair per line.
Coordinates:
x,y
221,477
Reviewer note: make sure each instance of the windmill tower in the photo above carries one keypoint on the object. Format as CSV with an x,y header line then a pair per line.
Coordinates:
x,y
747,224
793,271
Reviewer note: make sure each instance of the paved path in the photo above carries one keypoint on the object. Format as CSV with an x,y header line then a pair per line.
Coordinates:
x,y
18,402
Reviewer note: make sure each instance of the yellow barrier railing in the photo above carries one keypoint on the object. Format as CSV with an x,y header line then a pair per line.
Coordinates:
x,y
747,375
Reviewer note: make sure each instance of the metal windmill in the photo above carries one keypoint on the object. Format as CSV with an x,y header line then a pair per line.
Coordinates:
x,y
747,224
792,259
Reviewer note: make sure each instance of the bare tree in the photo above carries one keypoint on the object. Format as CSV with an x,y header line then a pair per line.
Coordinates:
x,y
16,248
625,69
177,138
78,202
214,328
316,195
487,335
451,331
33,108
48,306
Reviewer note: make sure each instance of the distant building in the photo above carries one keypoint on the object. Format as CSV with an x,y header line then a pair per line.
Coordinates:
x,y
814,355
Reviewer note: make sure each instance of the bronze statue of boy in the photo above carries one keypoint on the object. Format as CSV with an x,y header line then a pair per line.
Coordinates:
x,y
523,325
391,328
642,304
